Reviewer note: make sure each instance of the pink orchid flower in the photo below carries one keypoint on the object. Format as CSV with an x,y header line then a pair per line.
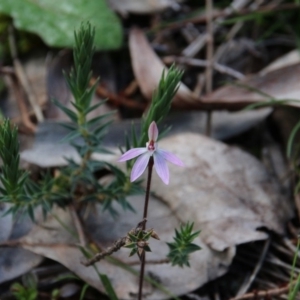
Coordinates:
x,y
160,157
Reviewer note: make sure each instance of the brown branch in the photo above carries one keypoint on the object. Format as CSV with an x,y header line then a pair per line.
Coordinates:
x,y
265,294
195,62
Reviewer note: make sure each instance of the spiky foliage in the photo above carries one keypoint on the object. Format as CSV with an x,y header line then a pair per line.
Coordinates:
x,y
182,246
161,101
78,181
17,188
85,186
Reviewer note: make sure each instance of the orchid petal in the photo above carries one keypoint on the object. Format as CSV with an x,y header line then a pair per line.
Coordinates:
x,y
139,166
153,132
170,157
161,167
132,153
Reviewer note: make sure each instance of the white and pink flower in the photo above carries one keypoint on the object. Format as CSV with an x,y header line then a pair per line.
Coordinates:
x,y
159,156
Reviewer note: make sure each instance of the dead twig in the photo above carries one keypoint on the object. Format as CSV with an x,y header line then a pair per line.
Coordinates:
x,y
20,98
243,289
117,245
265,294
193,48
195,62
23,78
151,262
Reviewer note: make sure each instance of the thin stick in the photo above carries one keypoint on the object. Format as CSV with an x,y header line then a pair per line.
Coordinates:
x,y
20,98
192,49
243,289
209,59
143,258
117,245
23,78
151,262
195,62
263,294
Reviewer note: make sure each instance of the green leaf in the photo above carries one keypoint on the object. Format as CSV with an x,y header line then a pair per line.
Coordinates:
x,y
83,291
55,20
108,287
291,139
71,114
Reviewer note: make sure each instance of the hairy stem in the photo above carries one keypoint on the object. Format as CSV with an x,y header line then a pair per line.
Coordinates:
x,y
143,257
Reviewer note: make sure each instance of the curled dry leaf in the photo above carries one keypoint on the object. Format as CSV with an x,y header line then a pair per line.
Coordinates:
x,y
225,191
280,84
148,67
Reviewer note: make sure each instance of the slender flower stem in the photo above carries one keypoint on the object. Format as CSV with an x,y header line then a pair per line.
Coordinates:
x,y
143,258
150,167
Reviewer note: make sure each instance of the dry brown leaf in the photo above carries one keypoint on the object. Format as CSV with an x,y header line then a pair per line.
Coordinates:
x,y
140,7
15,261
288,59
281,84
225,191
58,244
148,68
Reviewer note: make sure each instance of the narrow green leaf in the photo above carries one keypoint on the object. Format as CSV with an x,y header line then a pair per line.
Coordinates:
x,y
108,287
83,291
292,138
71,114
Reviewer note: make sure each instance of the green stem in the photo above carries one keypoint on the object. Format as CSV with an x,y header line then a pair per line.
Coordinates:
x,y
143,258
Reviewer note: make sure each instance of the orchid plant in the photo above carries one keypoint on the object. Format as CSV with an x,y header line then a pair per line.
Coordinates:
x,y
150,156
137,239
